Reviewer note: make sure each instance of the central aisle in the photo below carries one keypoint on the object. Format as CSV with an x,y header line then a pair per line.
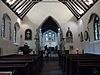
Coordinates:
x,y
51,68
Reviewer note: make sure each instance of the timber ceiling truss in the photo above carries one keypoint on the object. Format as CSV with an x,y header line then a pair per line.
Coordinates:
x,y
77,7
20,7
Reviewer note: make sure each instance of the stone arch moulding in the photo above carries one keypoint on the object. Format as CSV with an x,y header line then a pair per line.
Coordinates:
x,y
49,19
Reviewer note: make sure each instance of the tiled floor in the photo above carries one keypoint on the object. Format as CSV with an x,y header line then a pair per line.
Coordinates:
x,y
51,68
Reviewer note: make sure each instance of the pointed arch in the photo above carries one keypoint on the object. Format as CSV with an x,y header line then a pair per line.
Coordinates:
x,y
96,26
6,27
16,28
48,24
91,17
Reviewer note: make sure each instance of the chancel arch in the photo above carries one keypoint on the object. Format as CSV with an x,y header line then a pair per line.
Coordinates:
x,y
50,34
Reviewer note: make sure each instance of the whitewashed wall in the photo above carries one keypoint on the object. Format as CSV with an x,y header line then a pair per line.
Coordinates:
x,y
92,46
7,47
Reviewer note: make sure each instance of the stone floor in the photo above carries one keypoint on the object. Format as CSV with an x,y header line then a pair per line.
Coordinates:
x,y
51,68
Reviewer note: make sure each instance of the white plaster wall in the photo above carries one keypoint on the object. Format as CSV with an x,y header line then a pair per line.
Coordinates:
x,y
92,46
74,27
7,47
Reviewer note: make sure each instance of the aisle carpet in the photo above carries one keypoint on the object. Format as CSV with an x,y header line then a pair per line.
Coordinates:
x,y
51,68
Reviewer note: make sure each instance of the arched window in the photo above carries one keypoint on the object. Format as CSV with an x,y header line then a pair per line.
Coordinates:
x,y
3,27
16,28
28,34
96,28
6,27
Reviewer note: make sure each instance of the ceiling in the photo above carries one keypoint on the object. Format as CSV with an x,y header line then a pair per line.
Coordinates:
x,y
78,7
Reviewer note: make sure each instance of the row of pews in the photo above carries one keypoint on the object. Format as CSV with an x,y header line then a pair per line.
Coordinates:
x,y
21,64
80,64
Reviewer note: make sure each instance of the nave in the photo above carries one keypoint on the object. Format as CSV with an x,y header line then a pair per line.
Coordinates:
x,y
28,27
51,67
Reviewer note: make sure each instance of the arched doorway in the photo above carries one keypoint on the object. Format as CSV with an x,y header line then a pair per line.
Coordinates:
x,y
50,34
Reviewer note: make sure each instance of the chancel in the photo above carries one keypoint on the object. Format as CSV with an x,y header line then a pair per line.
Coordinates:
x,y
62,37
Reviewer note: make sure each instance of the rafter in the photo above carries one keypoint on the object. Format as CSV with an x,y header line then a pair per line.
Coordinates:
x,y
20,7
79,7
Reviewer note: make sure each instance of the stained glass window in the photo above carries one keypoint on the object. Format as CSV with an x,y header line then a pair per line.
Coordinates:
x,y
16,28
49,36
96,28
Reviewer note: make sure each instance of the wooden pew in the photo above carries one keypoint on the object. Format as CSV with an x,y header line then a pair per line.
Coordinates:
x,y
15,63
62,61
80,64
76,62
22,64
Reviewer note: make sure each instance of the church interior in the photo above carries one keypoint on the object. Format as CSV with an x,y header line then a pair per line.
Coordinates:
x,y
49,37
